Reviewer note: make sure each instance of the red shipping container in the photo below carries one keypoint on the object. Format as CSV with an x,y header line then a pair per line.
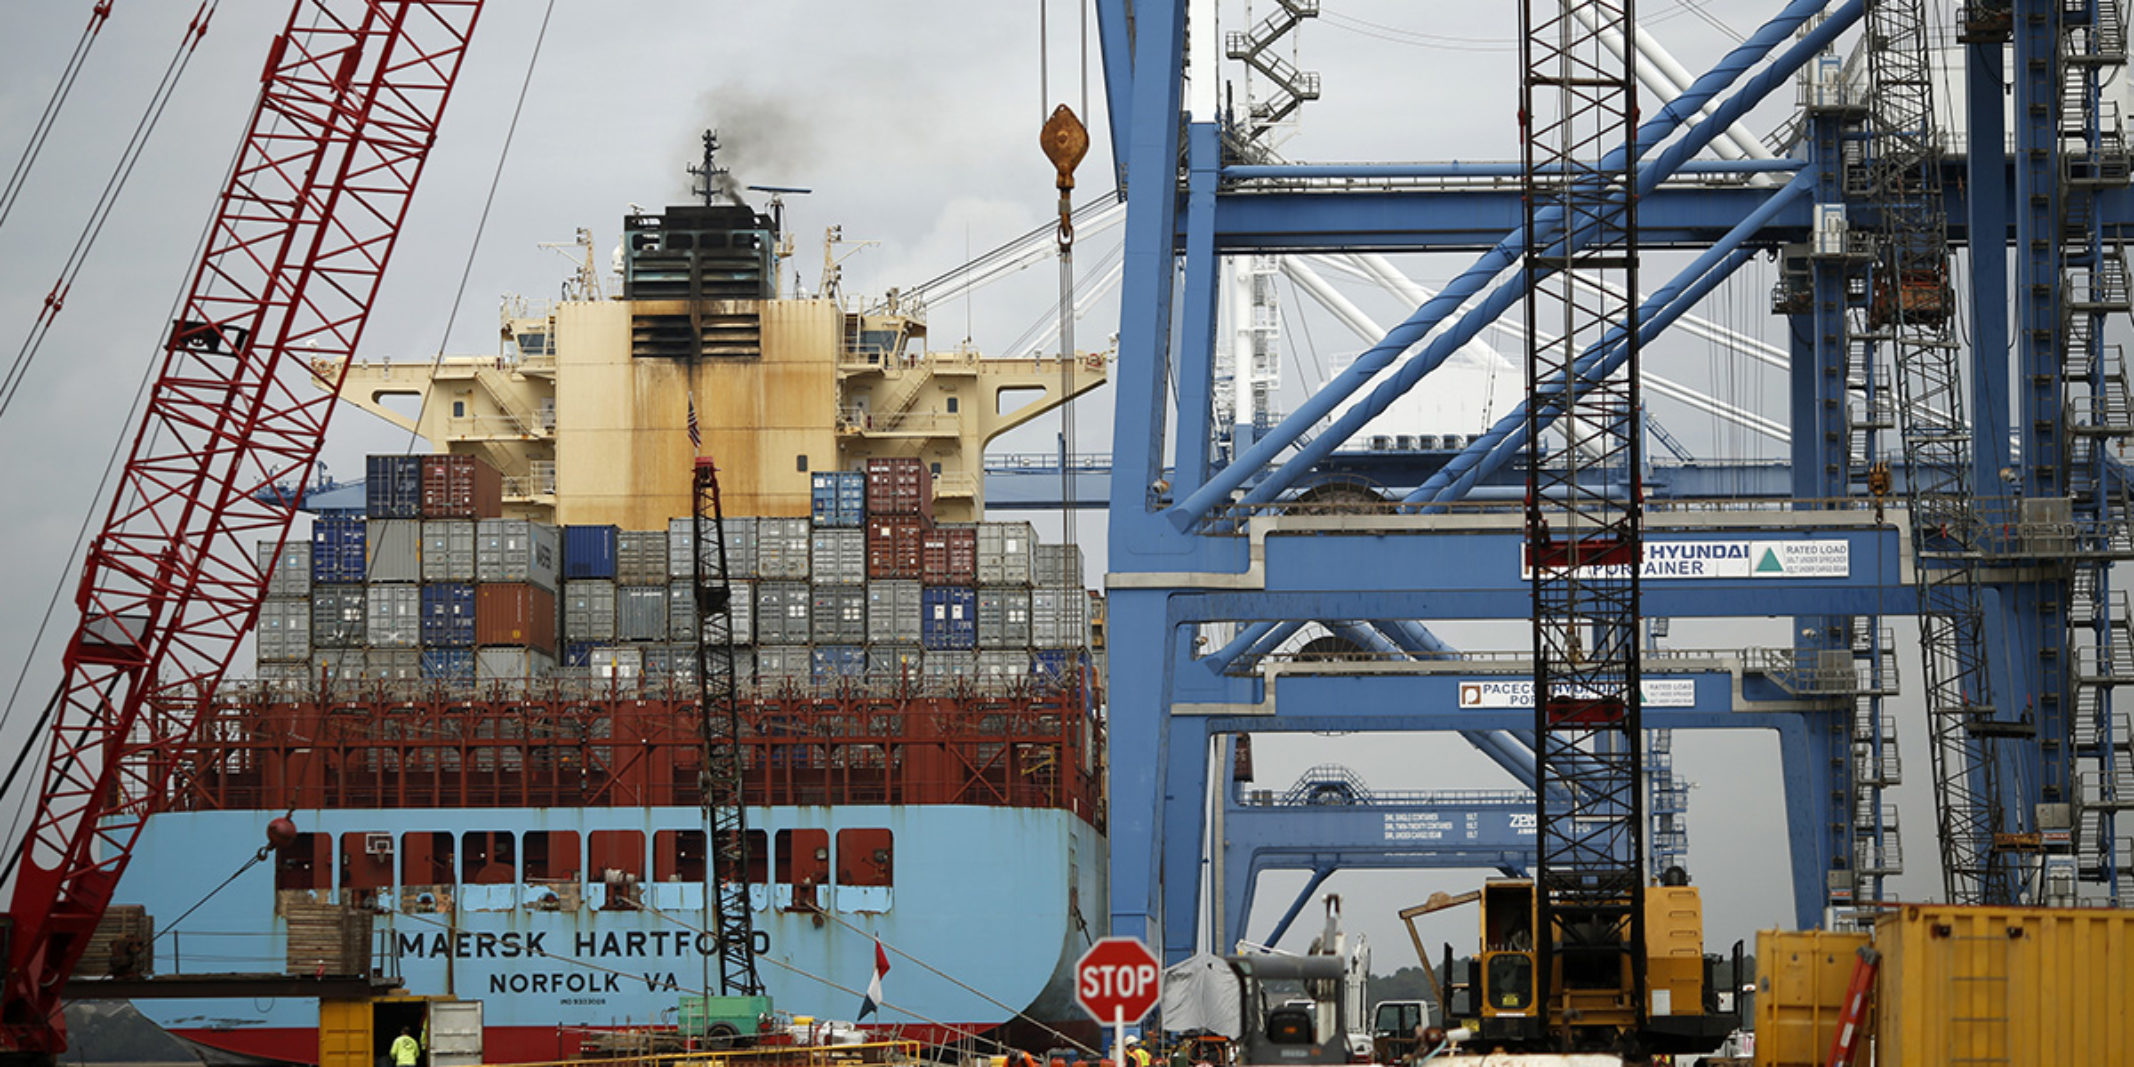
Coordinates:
x,y
894,547
461,487
900,487
515,613
949,556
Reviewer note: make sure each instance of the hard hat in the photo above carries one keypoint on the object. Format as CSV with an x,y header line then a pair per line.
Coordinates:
x,y
1132,1041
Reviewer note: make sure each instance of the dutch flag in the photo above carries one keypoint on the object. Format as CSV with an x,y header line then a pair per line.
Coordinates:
x,y
872,1002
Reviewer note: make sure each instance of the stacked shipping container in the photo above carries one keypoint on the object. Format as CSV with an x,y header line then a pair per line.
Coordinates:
x,y
867,591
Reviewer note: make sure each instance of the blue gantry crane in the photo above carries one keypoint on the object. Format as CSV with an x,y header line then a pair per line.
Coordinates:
x,y
1929,480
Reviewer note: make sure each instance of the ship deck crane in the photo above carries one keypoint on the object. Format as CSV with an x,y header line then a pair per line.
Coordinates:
x,y
352,94
725,803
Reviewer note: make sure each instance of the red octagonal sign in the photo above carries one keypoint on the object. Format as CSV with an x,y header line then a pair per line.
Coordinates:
x,y
1118,979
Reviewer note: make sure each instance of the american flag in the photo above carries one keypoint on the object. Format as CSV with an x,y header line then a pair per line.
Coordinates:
x,y
696,436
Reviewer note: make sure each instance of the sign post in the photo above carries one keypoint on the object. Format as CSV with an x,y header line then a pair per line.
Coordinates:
x,y
1118,980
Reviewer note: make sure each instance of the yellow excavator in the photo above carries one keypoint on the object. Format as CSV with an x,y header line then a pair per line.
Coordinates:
x,y
1493,999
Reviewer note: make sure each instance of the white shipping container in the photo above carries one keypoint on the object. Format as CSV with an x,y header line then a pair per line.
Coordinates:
x,y
641,613
782,613
588,611
1008,667
393,616
618,663
740,548
893,613
518,550
510,663
284,631
291,577
641,557
782,547
839,556
448,550
838,614
1059,618
1004,551
1003,618
392,550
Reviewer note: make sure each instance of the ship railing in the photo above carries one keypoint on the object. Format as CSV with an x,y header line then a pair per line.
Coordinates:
x,y
780,1055
955,483
505,425
1236,518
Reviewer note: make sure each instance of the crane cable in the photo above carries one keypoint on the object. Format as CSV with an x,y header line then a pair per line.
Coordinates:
x,y
55,300
30,151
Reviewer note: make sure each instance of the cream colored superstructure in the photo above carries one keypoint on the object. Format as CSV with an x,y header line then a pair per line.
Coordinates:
x,y
585,431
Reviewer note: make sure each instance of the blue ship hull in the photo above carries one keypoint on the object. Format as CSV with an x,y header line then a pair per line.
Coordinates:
x,y
1001,900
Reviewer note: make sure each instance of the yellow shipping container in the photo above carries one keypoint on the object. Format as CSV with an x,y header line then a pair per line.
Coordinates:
x,y
1801,979
2024,987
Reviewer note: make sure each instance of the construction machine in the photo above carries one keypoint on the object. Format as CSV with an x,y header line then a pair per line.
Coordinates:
x,y
1494,994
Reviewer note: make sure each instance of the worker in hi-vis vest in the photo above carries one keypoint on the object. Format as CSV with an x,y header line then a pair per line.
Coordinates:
x,y
406,1050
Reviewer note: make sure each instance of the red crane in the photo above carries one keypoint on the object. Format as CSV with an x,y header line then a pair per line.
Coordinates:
x,y
350,99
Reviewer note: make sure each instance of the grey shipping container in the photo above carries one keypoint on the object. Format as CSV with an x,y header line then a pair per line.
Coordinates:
x,y
1058,618
894,664
838,614
838,556
292,576
682,612
588,611
448,550
286,677
339,666
641,613
740,548
518,550
778,665
1056,566
1003,618
782,613
284,631
393,664
893,613
641,557
1004,552
507,663
618,663
939,664
393,616
392,550
337,618
1003,666
782,547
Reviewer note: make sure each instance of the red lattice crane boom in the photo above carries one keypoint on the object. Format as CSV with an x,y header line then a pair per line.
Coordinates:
x,y
351,95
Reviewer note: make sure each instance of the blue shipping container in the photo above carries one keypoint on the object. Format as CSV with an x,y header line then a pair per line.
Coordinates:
x,y
448,664
832,662
839,498
589,552
337,550
392,487
1057,666
578,653
448,615
948,617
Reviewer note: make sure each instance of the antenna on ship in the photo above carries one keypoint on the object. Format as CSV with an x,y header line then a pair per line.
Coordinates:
x,y
714,182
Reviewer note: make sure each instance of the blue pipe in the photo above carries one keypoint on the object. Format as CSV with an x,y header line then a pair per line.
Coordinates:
x,y
1457,169
1218,488
1253,640
1486,454
1507,750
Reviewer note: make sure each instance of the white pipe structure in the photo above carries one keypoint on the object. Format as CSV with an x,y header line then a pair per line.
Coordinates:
x,y
1755,348
1379,269
1659,72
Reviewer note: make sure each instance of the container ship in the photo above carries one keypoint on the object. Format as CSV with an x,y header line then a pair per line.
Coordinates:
x,y
475,694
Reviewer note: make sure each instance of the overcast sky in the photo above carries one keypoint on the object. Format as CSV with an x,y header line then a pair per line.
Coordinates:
x,y
916,126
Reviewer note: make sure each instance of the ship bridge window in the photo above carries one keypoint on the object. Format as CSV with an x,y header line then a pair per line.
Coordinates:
x,y
303,863
678,856
488,857
533,344
366,864
865,856
552,856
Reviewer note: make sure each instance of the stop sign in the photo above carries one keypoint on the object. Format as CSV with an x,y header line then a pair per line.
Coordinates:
x,y
1118,979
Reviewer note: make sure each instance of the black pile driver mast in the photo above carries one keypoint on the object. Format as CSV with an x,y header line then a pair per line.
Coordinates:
x,y
1584,539
725,806
1909,307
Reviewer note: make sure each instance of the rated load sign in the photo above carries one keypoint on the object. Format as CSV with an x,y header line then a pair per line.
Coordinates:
x,y
1118,980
